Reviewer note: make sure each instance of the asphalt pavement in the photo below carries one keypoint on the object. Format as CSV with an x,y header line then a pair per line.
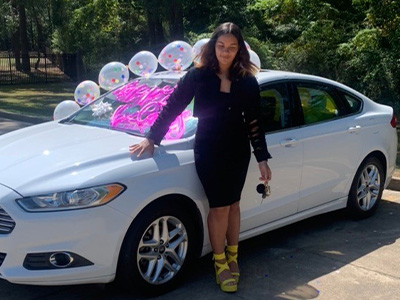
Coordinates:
x,y
328,257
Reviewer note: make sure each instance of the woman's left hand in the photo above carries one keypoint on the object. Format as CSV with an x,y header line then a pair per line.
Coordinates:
x,y
265,171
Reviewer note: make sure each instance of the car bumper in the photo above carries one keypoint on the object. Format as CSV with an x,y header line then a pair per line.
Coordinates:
x,y
96,234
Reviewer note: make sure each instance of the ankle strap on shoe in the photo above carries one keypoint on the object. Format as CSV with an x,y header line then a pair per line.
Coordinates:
x,y
219,256
232,248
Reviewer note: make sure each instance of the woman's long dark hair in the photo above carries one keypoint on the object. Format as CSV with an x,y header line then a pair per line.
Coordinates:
x,y
241,65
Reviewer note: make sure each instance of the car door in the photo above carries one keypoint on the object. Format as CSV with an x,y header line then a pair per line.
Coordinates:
x,y
286,163
331,142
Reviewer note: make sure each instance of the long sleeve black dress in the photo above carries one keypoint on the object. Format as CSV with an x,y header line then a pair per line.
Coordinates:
x,y
226,122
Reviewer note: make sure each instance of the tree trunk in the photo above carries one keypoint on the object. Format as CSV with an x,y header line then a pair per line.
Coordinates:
x,y
41,48
175,20
26,66
50,18
156,34
16,49
15,44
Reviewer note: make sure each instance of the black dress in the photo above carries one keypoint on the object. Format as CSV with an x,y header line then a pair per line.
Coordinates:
x,y
226,122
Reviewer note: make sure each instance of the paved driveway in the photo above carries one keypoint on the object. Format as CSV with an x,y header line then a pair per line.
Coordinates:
x,y
329,257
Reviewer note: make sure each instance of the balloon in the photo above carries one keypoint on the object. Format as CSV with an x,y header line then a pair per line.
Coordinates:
x,y
247,46
197,49
113,75
176,56
64,109
86,92
143,63
255,59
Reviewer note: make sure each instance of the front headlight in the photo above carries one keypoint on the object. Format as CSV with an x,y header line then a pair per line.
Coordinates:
x,y
82,198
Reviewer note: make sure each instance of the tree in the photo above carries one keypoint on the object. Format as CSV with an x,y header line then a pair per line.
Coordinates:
x,y
25,66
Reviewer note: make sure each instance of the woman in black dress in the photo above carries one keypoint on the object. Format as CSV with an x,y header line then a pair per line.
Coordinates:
x,y
227,106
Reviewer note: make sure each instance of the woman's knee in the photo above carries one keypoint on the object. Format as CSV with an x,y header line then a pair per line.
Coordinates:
x,y
220,212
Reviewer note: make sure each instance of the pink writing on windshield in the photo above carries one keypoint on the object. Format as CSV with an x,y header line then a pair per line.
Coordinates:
x,y
141,109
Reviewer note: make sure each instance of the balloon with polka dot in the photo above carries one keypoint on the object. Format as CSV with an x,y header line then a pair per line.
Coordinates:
x,y
176,56
143,63
112,75
86,92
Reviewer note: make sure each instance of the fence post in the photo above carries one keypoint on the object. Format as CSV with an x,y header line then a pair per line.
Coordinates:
x,y
9,60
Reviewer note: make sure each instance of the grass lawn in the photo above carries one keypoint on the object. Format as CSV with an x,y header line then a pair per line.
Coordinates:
x,y
38,100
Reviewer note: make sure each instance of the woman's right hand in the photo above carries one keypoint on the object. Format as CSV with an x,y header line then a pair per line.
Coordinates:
x,y
144,146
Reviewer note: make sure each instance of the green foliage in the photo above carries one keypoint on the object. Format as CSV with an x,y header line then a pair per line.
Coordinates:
x,y
356,42
100,30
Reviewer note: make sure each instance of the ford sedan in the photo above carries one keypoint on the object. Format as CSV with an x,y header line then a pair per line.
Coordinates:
x,y
76,207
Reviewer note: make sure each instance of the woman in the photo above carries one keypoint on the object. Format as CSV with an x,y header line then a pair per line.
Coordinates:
x,y
227,105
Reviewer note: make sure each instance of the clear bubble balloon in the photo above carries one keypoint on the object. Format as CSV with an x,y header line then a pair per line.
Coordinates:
x,y
247,46
197,47
176,56
255,59
86,92
143,63
113,75
64,109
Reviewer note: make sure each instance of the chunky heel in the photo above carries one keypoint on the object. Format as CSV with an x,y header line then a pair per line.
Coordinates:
x,y
228,285
232,254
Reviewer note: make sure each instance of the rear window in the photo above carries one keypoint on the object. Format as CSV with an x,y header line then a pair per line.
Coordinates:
x,y
354,103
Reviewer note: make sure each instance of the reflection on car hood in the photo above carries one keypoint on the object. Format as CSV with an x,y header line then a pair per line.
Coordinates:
x,y
50,156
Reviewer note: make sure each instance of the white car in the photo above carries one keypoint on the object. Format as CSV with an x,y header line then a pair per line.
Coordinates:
x,y
76,207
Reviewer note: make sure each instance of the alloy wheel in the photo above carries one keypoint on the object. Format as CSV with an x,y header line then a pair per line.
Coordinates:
x,y
368,187
162,250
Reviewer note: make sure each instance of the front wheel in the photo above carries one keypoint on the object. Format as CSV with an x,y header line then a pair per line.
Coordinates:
x,y
157,249
366,189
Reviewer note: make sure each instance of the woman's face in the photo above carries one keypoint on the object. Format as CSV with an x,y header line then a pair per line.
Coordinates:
x,y
226,49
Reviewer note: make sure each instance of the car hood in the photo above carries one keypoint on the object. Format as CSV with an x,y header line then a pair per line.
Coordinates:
x,y
51,156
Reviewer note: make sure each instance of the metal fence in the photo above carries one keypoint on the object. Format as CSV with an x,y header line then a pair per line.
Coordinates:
x,y
43,68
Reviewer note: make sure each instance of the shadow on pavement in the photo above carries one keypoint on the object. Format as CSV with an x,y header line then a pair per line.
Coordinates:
x,y
288,263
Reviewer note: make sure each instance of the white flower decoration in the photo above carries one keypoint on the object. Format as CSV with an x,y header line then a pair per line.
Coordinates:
x,y
101,109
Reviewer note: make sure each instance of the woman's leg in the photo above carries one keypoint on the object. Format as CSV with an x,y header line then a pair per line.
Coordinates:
x,y
218,219
232,234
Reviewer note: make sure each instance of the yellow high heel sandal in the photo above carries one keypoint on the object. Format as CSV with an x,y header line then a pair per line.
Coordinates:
x,y
233,258
219,268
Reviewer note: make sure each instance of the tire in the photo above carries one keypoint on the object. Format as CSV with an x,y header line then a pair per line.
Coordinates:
x,y
152,261
367,188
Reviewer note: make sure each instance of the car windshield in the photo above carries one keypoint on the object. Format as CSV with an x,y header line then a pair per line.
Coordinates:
x,y
134,107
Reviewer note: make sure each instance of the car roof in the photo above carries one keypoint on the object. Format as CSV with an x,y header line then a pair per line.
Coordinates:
x,y
265,76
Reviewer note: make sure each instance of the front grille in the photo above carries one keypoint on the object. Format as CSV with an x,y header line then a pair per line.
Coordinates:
x,y
2,257
7,224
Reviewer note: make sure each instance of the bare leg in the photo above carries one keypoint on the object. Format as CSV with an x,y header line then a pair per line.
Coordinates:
x,y
217,229
233,230
232,234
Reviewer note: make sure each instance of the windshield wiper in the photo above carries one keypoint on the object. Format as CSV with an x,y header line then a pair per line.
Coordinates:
x,y
132,133
67,120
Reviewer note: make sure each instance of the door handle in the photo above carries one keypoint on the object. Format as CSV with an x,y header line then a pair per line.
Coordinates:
x,y
354,129
288,142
